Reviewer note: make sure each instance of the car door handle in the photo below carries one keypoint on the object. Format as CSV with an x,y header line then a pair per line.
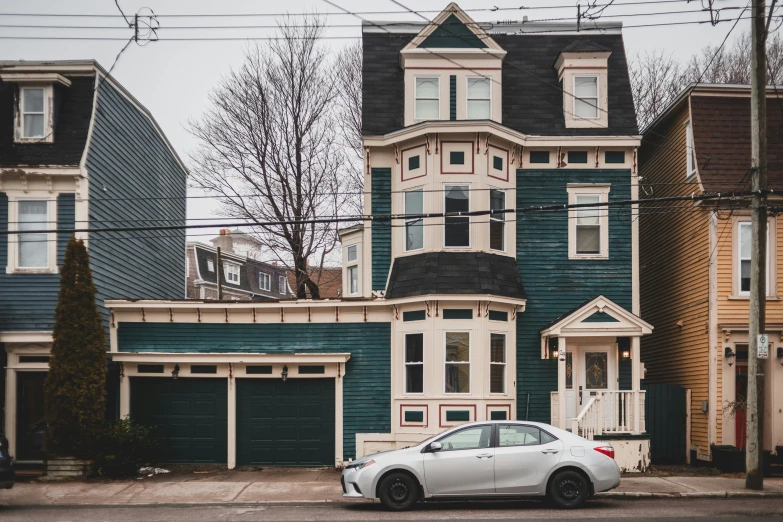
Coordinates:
x,y
548,451
485,456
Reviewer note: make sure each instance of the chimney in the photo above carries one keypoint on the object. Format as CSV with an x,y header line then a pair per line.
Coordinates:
x,y
224,241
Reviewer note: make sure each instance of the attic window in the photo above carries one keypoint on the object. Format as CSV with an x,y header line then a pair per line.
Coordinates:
x,y
585,96
33,113
232,273
210,265
264,281
427,99
479,102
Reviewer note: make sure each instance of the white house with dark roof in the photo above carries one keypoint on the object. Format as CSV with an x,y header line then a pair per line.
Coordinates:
x,y
443,320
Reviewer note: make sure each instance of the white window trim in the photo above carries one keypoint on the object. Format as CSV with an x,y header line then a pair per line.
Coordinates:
x,y
407,221
48,136
503,364
416,95
268,286
210,265
13,239
597,97
423,364
469,362
351,264
771,269
494,218
575,189
470,222
690,153
282,288
468,98
230,267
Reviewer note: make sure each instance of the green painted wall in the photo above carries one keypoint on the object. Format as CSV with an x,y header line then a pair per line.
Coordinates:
x,y
27,301
367,380
134,179
553,283
453,34
381,231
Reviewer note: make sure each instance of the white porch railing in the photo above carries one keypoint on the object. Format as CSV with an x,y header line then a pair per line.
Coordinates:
x,y
607,413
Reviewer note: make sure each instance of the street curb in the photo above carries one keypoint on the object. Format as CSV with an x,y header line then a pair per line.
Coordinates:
x,y
629,495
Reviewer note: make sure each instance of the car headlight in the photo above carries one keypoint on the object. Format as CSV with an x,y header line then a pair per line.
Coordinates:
x,y
360,465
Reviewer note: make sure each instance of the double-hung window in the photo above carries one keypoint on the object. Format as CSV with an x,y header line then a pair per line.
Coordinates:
x,y
585,97
744,241
588,225
33,247
264,281
232,273
352,264
414,363
479,99
414,227
427,105
691,156
457,228
33,112
497,222
497,363
282,284
457,362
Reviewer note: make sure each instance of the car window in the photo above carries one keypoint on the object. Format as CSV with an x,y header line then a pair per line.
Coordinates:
x,y
546,438
470,438
520,435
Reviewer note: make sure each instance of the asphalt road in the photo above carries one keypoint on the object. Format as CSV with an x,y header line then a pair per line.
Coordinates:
x,y
717,509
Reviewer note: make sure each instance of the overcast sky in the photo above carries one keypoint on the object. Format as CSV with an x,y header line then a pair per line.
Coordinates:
x,y
173,78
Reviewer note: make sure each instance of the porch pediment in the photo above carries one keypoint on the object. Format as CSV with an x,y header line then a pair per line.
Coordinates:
x,y
598,317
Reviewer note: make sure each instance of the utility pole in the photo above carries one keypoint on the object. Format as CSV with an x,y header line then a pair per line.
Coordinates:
x,y
754,476
217,273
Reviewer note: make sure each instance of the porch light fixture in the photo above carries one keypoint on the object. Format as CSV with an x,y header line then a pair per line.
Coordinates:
x,y
780,355
730,355
626,354
284,373
175,372
554,353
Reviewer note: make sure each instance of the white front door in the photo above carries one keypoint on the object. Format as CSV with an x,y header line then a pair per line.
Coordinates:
x,y
598,372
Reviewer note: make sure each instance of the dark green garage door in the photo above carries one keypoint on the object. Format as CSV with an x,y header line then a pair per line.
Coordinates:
x,y
190,416
287,423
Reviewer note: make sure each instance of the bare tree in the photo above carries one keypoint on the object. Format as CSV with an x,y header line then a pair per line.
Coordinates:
x,y
269,152
349,88
657,77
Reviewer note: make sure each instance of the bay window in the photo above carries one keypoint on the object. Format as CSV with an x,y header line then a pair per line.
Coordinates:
x,y
457,228
352,268
497,363
457,362
497,222
414,227
414,363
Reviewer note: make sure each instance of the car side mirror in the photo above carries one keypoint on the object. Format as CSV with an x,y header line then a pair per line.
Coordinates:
x,y
435,446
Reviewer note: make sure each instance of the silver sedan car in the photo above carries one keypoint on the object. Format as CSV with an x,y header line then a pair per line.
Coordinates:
x,y
493,459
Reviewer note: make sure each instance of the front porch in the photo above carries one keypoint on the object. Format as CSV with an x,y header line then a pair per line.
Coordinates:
x,y
599,370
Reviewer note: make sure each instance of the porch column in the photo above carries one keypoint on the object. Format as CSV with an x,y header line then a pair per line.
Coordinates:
x,y
561,382
232,423
10,410
636,383
636,364
124,396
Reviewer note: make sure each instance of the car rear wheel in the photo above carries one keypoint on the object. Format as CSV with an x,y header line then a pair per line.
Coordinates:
x,y
568,490
398,492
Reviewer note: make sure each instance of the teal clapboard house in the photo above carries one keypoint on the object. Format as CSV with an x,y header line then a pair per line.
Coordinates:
x,y
505,287
77,151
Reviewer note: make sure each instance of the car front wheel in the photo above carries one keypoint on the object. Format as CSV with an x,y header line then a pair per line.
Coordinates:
x,y
398,492
568,490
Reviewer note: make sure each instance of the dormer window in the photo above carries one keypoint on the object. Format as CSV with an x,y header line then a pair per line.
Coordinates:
x,y
479,99
33,113
586,97
232,273
427,98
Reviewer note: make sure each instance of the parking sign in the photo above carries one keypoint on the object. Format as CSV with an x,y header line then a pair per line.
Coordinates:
x,y
763,346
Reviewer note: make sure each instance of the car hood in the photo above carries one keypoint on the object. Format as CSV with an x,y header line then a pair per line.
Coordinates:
x,y
385,455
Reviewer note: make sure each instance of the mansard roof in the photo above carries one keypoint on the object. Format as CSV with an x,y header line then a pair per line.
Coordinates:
x,y
455,273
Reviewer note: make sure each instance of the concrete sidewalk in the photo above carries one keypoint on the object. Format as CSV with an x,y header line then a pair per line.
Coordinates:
x,y
273,486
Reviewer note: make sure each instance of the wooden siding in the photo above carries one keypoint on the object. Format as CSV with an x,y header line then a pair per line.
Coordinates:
x,y
27,301
381,231
367,378
134,180
674,273
554,284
